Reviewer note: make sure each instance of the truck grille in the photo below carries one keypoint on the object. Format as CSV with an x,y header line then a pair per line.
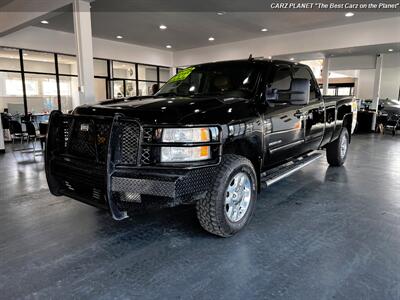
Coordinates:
x,y
87,138
130,143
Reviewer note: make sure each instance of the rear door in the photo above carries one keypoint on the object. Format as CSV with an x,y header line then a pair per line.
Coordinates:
x,y
314,112
287,132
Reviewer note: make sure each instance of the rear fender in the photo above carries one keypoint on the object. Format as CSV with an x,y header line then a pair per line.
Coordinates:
x,y
344,119
348,123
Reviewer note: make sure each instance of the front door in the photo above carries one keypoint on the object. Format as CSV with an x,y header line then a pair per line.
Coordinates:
x,y
286,121
314,117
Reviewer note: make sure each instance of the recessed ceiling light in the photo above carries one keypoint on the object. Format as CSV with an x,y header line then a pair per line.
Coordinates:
x,y
264,30
292,58
349,14
211,38
390,50
44,22
221,13
163,27
168,46
119,37
269,57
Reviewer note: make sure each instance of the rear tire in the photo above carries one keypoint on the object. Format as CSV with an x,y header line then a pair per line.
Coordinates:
x,y
336,151
229,203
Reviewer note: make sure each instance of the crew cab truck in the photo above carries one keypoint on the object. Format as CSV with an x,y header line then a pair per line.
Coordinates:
x,y
213,135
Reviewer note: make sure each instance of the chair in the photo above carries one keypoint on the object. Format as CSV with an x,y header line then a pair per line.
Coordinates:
x,y
30,130
32,134
16,131
42,133
5,120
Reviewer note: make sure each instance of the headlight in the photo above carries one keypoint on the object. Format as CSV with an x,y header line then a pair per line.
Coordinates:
x,y
182,154
185,135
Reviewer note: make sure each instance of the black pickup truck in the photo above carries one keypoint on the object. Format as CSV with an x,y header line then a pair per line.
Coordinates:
x,y
213,135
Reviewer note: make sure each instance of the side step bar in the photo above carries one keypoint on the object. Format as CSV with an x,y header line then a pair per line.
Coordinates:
x,y
278,173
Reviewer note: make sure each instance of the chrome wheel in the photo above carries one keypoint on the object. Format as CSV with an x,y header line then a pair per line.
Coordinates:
x,y
343,147
237,197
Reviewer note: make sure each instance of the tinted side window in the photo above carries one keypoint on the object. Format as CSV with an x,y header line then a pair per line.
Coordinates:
x,y
303,72
282,78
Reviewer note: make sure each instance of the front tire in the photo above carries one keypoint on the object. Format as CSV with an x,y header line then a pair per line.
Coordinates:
x,y
336,151
229,203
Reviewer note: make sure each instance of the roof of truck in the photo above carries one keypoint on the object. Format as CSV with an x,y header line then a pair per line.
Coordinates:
x,y
260,60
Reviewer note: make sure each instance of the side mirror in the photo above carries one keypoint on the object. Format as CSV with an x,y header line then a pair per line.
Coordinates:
x,y
300,91
271,94
298,94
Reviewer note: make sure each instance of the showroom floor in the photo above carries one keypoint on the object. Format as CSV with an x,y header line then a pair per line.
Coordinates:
x,y
323,233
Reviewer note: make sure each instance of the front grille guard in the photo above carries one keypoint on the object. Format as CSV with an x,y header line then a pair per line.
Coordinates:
x,y
121,153
118,156
120,150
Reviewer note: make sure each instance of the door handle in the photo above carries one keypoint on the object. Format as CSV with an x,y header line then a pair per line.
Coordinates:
x,y
298,114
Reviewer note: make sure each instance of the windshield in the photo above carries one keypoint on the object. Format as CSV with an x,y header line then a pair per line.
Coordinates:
x,y
222,79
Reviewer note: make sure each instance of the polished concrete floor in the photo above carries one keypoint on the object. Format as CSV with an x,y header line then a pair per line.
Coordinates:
x,y
323,233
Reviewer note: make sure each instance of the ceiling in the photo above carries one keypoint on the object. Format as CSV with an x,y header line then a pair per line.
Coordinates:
x,y
364,50
139,25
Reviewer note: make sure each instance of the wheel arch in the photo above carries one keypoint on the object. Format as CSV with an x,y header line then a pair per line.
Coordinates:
x,y
348,123
250,149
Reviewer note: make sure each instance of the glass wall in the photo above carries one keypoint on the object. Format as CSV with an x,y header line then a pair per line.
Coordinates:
x,y
101,79
68,93
100,67
146,88
67,65
148,73
9,59
124,70
100,89
118,89
35,82
164,74
148,80
11,94
130,88
39,62
41,92
11,88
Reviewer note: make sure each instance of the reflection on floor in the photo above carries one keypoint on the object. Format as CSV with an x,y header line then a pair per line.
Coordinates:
x,y
322,233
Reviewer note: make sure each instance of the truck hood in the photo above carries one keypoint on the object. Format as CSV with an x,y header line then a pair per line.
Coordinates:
x,y
175,110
